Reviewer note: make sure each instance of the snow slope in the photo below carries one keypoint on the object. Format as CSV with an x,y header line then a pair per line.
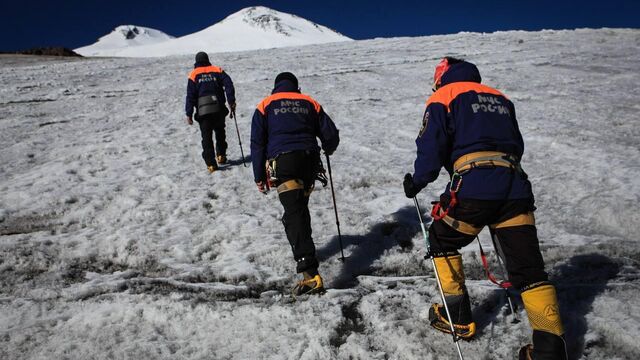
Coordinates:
x,y
123,37
251,28
116,243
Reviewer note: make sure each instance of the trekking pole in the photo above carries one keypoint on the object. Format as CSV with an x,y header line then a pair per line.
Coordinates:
x,y
435,270
505,285
500,254
335,208
233,114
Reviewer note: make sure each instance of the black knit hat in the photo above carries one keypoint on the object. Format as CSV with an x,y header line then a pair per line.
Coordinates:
x,y
286,76
202,57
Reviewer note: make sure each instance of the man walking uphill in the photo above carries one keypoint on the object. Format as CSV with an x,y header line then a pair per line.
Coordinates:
x,y
206,90
471,130
283,136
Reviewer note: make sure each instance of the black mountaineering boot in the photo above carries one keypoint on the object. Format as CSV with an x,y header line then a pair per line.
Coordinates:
x,y
547,347
526,352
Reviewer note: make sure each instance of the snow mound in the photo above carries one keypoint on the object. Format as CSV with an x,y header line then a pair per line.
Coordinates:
x,y
251,28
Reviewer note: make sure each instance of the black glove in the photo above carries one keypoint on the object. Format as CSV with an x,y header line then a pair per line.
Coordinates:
x,y
410,190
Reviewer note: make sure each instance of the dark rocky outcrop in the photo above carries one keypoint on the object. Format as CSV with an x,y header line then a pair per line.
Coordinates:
x,y
132,33
49,51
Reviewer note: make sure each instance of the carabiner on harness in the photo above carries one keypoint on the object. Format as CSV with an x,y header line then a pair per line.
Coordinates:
x,y
454,186
272,177
456,181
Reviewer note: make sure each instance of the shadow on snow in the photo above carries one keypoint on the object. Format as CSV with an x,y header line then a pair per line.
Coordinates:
x,y
579,281
363,250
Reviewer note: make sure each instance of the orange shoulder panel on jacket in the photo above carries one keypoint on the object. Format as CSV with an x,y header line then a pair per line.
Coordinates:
x,y
204,69
447,93
287,95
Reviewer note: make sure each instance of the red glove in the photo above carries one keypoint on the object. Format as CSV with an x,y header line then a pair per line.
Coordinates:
x,y
262,187
188,120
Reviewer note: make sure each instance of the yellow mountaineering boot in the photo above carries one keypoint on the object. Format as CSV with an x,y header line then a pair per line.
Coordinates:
x,y
452,278
541,304
311,284
221,159
212,168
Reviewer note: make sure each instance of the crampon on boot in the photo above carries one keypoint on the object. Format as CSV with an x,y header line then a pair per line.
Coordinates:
x,y
439,321
308,286
547,347
526,352
452,280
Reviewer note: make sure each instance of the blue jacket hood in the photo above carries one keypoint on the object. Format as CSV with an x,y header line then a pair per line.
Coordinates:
x,y
285,86
461,72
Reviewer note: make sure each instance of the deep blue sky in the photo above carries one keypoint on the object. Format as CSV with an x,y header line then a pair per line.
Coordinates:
x,y
74,23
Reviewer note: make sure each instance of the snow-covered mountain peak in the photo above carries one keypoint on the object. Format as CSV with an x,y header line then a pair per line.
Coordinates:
x,y
138,33
254,14
251,28
122,37
130,32
271,20
266,19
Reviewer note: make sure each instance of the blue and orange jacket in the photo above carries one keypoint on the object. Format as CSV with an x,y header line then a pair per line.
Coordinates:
x,y
288,121
206,79
462,117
